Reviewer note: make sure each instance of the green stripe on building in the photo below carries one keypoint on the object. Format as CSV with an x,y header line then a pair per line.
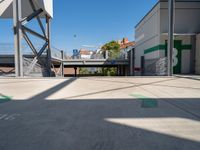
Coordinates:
x,y
155,48
164,47
189,47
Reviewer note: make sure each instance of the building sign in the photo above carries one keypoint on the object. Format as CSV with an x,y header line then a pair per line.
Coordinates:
x,y
75,52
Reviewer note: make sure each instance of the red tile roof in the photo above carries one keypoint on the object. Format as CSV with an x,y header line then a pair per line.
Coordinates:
x,y
122,46
84,52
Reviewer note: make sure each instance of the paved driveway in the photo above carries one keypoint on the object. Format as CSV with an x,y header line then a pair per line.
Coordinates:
x,y
100,114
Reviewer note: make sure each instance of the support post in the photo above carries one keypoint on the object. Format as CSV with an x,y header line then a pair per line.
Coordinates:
x,y
17,15
75,71
131,62
107,55
122,70
117,70
171,5
62,64
48,34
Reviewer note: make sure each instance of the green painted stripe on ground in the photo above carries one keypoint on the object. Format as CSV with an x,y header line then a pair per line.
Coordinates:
x,y
4,99
146,101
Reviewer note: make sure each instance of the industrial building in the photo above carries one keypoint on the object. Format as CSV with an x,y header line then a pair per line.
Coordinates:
x,y
151,35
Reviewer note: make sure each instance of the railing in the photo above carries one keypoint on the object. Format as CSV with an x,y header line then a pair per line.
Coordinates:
x,y
105,55
8,49
56,53
156,66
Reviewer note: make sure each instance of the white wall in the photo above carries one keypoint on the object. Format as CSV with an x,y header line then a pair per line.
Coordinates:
x,y
150,31
47,5
187,18
147,34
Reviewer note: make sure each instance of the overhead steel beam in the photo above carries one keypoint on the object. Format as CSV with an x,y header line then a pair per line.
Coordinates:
x,y
38,18
17,15
32,46
30,17
171,7
34,33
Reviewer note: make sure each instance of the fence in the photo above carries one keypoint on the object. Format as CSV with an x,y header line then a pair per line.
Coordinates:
x,y
8,49
156,66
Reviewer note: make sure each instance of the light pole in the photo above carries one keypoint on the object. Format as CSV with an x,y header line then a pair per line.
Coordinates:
x,y
171,6
17,16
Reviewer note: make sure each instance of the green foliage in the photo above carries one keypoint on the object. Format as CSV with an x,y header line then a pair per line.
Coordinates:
x,y
113,49
113,45
109,71
83,71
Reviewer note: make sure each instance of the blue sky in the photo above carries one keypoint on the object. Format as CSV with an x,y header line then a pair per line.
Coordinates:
x,y
94,22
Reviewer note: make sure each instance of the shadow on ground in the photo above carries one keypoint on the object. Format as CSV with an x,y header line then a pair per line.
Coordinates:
x,y
83,124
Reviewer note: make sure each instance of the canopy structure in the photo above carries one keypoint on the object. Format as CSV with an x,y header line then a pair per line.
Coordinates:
x,y
22,12
6,8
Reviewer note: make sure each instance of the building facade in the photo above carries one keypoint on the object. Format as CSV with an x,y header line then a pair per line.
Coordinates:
x,y
85,54
125,47
151,35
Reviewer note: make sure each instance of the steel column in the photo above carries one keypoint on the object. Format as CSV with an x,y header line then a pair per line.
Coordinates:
x,y
17,15
171,5
48,34
131,62
75,71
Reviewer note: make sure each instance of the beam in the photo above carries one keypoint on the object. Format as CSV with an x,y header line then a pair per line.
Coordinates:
x,y
30,17
171,5
34,33
17,15
38,18
37,54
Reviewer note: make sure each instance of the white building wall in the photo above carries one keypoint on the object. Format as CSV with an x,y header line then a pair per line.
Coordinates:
x,y
152,31
187,18
147,34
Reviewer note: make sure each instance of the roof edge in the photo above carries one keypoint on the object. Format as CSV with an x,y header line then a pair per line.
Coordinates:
x,y
147,14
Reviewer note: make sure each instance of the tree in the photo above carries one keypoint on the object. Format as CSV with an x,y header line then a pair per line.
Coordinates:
x,y
113,49
84,71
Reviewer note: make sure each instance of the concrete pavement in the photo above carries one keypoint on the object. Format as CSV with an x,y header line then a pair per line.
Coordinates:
x,y
100,113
